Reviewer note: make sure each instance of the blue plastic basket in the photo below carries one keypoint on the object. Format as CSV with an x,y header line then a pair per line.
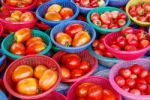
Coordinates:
x,y
62,26
84,10
41,10
118,3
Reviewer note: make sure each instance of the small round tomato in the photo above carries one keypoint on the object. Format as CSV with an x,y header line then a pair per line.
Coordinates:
x,y
130,82
120,81
95,43
101,46
143,74
135,92
85,66
66,13
144,43
66,74
125,72
108,95
33,39
39,70
27,16
77,73
121,41
122,16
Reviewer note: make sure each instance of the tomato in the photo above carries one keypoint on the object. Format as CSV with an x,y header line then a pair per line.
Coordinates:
x,y
122,16
27,2
130,48
140,11
70,60
48,79
17,48
35,47
95,44
82,89
95,16
54,8
136,69
125,72
148,90
143,74
121,41
33,39
120,80
101,46
12,2
39,70
141,86
21,72
112,26
66,13
85,66
144,43
27,16
140,18
146,7
141,80
148,79
115,14
84,3
94,3
105,26
99,52
105,19
108,95
127,30
73,29
135,92
132,11
133,76
66,74
23,34
108,14
16,14
108,54
130,82
131,37
81,38
115,47
63,39
126,88
77,73
27,86
121,22
95,93
54,16
97,22
133,42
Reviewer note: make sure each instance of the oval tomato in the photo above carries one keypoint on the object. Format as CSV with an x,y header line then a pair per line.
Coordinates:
x,y
108,95
27,86
21,72
27,16
48,79
66,74
16,14
54,8
39,70
54,16
77,73
33,39
66,13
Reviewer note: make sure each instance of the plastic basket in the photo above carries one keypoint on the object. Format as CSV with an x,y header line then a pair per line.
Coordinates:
x,y
135,2
114,71
43,8
102,10
94,79
118,3
105,61
1,29
62,26
125,55
85,55
85,10
6,45
32,60
27,8
14,26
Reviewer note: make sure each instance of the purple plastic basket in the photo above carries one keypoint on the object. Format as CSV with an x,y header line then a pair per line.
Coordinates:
x,y
118,3
114,71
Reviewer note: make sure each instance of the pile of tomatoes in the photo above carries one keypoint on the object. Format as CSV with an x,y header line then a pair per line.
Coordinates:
x,y
26,44
56,12
19,3
72,66
73,35
134,79
93,91
31,80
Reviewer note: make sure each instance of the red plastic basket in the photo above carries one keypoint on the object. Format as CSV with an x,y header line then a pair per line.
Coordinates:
x,y
32,60
94,79
125,55
1,29
85,55
14,26
27,8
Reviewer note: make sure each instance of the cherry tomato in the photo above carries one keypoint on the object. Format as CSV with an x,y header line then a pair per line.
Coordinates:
x,y
130,82
108,95
66,74
120,81
33,39
27,16
39,70
135,92
85,66
125,72
77,73
66,13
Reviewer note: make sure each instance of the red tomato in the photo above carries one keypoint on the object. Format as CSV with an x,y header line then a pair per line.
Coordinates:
x,y
141,18
140,11
33,39
27,2
141,80
101,46
131,37
27,16
105,19
108,54
133,76
144,43
74,28
141,35
121,41
95,43
108,95
115,47
121,22
95,93
77,73
130,48
122,16
66,13
143,74
141,86
136,69
84,3
120,81
12,2
108,14
97,22
99,52
130,82
132,11
95,16
135,92
85,66
127,30
115,14
146,7
126,88
125,72
133,42
66,74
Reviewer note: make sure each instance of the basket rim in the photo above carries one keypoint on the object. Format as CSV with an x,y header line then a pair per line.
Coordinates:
x,y
13,92
117,88
14,56
55,92
104,29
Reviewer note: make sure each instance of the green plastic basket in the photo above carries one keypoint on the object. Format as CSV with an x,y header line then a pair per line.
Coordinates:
x,y
101,10
9,40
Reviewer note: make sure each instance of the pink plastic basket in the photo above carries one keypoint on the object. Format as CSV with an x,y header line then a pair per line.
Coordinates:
x,y
114,71
94,79
85,55
27,8
32,60
14,26
1,29
125,55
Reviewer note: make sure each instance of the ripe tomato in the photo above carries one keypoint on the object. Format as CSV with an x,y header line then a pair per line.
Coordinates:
x,y
141,35
39,70
144,43
115,14
63,39
85,66
127,30
126,88
108,14
146,7
130,48
54,8
120,81
27,2
73,29
143,74
81,38
108,95
99,52
12,2
21,72
108,54
136,69
133,76
66,74
140,11
105,19
17,48
71,61
141,86
27,86
121,22
16,14
121,41
131,37
101,46
97,22
141,18
95,43
95,93
141,80
132,11
23,34
95,16
77,73
122,16
48,79
66,13
135,92
82,89
130,82
115,47
33,39
84,3
27,16
125,72
54,16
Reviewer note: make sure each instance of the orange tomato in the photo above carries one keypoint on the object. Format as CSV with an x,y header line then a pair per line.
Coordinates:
x,y
27,16
54,8
23,34
39,70
66,13
27,2
48,79
12,2
33,39
17,48
27,86
54,16
16,14
21,72
66,74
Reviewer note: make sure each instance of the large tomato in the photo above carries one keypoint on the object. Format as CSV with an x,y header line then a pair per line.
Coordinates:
x,y
21,72
27,86
74,28
108,95
48,79
39,70
33,39
66,13
27,16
